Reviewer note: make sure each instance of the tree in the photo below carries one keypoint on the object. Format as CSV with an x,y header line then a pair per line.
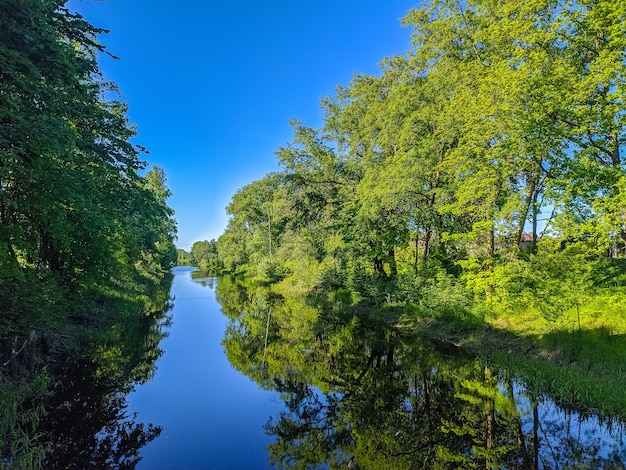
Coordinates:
x,y
259,213
204,254
74,210
496,113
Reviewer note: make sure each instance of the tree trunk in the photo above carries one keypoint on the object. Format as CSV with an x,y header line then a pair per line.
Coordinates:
x,y
490,420
390,353
528,203
491,242
425,253
416,253
521,441
615,155
533,404
393,267
490,433
535,215
379,268
426,390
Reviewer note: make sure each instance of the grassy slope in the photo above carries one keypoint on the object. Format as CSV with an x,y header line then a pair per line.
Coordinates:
x,y
584,368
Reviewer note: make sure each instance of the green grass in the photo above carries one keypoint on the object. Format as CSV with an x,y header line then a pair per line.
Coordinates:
x,y
582,368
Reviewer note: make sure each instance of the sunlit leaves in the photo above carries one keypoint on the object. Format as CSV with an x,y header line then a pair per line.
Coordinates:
x,y
502,118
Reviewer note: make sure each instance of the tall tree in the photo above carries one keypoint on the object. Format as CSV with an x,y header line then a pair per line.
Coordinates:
x,y
72,201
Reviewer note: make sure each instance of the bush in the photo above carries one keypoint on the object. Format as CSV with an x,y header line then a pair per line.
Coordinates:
x,y
273,271
608,272
446,296
332,278
342,296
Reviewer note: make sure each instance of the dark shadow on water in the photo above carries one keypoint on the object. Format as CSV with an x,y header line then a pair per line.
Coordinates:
x,y
72,413
88,424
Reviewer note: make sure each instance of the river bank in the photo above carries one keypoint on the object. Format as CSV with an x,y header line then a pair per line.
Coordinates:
x,y
580,363
396,390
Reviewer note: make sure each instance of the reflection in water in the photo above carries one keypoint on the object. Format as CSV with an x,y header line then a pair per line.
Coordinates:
x,y
86,423
362,394
89,422
212,415
203,278
89,425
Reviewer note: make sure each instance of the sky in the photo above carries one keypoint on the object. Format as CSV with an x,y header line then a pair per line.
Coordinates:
x,y
212,85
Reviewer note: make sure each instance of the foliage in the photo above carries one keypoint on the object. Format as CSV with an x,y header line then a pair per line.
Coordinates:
x,y
183,257
495,116
75,210
86,235
204,255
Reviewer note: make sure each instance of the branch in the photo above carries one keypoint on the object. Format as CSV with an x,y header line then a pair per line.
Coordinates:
x,y
596,145
15,354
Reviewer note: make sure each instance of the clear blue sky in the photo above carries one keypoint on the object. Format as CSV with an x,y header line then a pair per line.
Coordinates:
x,y
212,85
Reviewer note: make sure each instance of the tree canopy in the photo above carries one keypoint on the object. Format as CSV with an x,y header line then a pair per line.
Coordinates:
x,y
498,132
73,199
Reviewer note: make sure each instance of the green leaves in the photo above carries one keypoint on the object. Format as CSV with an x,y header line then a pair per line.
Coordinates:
x,y
72,200
498,114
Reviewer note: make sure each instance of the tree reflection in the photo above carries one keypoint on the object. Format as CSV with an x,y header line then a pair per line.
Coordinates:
x,y
362,394
87,424
203,278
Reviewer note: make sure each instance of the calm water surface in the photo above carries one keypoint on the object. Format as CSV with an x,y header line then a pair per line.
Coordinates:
x,y
250,379
212,415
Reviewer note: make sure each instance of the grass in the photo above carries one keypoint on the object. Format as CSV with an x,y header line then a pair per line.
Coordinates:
x,y
581,368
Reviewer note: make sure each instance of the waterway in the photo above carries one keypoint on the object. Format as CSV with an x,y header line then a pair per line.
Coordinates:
x,y
211,415
250,379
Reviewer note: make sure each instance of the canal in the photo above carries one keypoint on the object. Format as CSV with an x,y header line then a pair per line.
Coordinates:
x,y
211,415
250,379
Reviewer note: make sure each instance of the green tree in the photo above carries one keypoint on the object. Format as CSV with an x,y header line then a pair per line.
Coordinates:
x,y
204,254
259,213
496,113
71,197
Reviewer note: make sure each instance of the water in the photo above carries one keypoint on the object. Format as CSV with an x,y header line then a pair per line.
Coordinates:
x,y
212,415
237,376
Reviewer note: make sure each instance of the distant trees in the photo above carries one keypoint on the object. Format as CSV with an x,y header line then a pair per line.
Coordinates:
x,y
204,255
183,257
497,116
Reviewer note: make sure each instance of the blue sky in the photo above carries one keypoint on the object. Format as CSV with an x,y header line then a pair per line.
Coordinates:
x,y
212,85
